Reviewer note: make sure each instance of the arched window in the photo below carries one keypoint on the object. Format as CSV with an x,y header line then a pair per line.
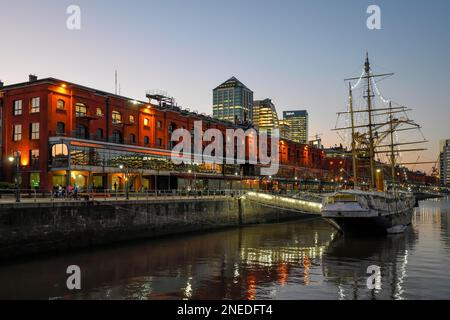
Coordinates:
x,y
132,139
146,140
117,136
116,117
60,128
59,150
60,105
81,132
99,112
80,110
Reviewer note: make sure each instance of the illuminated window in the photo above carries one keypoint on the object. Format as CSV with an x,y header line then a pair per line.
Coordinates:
x,y
146,122
35,179
116,117
158,124
17,134
17,107
80,110
60,150
60,105
99,112
34,131
35,105
131,119
34,156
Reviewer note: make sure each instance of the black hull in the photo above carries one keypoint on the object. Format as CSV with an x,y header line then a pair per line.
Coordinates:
x,y
370,226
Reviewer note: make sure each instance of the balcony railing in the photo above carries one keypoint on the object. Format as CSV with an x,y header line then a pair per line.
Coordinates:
x,y
110,139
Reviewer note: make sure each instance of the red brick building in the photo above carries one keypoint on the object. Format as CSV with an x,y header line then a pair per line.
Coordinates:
x,y
63,133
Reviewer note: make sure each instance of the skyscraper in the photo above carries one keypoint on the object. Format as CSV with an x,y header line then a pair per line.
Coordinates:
x,y
265,116
297,120
285,130
233,101
445,162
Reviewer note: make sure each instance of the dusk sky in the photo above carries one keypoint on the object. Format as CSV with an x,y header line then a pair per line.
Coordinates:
x,y
295,52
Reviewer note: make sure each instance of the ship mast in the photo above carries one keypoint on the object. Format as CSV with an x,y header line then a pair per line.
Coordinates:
x,y
352,116
377,131
391,119
369,110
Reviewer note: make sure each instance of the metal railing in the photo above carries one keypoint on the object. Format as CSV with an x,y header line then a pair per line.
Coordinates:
x,y
34,195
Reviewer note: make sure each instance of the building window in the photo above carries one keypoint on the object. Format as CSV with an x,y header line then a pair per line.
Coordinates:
x,y
132,138
80,110
117,136
17,107
17,134
159,142
34,156
35,179
146,122
146,140
35,105
116,117
99,112
158,124
60,150
81,132
99,133
34,131
60,128
131,119
60,105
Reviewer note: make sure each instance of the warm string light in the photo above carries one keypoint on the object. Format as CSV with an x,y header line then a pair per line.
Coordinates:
x,y
379,93
359,80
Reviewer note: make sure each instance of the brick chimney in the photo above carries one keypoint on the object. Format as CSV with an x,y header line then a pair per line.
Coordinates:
x,y
32,78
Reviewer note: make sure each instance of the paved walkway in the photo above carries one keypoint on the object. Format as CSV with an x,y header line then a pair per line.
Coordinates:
x,y
28,200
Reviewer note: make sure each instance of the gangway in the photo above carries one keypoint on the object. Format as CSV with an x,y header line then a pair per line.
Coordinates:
x,y
302,203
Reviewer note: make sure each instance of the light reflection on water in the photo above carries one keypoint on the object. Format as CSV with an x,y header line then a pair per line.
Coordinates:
x,y
294,260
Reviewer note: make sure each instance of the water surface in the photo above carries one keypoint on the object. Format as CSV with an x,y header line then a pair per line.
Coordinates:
x,y
293,260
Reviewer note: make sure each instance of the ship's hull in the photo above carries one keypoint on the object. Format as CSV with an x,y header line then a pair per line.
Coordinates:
x,y
369,213
390,224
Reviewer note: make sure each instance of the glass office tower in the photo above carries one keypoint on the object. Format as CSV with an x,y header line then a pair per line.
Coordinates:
x,y
297,121
265,116
233,101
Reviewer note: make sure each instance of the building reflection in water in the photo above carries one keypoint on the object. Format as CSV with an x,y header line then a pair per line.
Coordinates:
x,y
294,260
231,264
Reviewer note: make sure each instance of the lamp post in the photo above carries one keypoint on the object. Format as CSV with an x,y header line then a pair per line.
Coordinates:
x,y
15,159
121,167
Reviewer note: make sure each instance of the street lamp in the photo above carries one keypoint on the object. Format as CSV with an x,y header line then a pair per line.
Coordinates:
x,y
121,167
15,159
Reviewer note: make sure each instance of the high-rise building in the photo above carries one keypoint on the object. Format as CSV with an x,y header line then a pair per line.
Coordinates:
x,y
298,124
285,129
265,116
445,162
233,101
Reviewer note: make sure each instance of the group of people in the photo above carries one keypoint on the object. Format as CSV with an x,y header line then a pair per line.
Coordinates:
x,y
69,192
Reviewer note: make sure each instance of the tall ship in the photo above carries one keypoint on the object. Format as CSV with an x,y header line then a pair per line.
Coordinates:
x,y
370,203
